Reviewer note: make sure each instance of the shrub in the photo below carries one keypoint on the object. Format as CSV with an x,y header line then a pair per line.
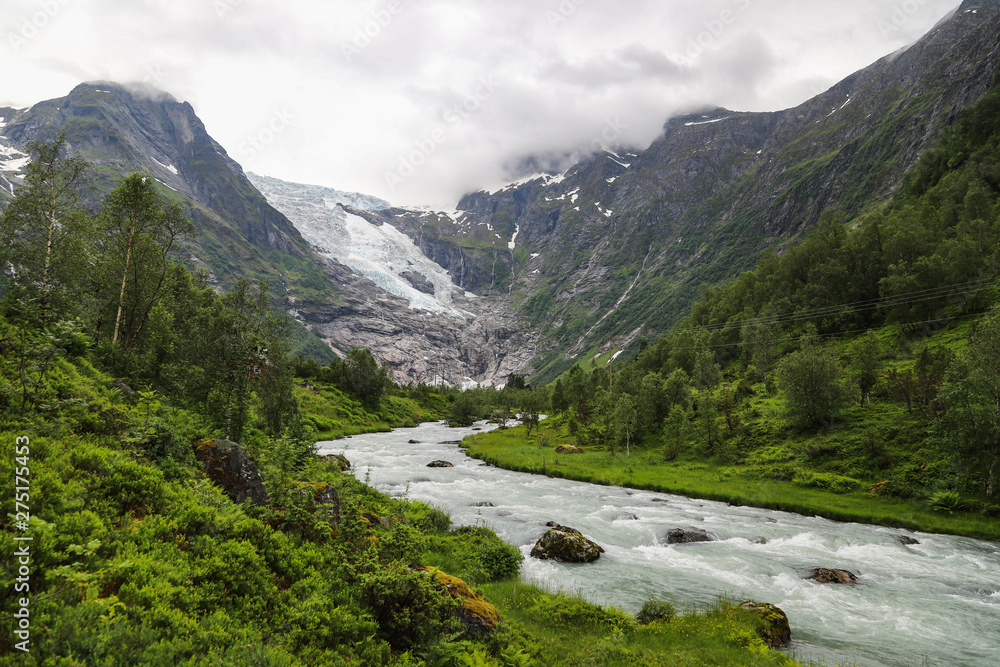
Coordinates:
x,y
407,606
947,501
655,610
826,481
498,560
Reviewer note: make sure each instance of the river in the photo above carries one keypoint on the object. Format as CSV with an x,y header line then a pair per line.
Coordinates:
x,y
932,603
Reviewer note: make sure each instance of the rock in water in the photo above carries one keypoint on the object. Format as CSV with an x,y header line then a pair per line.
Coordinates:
x,y
568,449
229,468
440,464
566,547
485,503
824,575
776,631
681,536
908,541
628,516
413,442
478,616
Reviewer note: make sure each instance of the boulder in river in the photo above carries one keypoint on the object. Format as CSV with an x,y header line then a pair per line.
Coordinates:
x,y
660,500
485,503
825,575
908,541
568,449
440,464
627,516
566,545
413,442
229,468
776,632
682,536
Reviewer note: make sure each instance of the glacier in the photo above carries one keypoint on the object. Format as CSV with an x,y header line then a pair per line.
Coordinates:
x,y
380,253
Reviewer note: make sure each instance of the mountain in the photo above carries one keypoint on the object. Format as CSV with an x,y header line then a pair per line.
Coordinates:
x,y
414,318
616,248
550,269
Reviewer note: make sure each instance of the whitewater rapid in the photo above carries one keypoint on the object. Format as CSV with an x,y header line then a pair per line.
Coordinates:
x,y
934,603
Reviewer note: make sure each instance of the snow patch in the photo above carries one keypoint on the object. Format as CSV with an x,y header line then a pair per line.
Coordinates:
x,y
535,254
706,122
165,185
513,240
620,164
3,124
612,179
15,164
169,167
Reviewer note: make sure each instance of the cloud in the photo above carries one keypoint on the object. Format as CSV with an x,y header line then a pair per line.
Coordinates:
x,y
373,87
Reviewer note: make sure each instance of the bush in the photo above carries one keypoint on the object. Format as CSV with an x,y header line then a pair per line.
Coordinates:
x,y
826,481
655,610
947,501
431,519
409,609
498,560
561,610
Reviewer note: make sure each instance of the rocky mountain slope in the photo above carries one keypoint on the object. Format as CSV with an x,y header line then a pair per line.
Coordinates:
x,y
617,247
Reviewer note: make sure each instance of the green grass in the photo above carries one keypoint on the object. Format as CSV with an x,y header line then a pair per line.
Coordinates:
x,y
334,414
564,630
696,477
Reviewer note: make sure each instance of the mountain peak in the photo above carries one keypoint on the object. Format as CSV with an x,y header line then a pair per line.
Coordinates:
x,y
138,90
971,5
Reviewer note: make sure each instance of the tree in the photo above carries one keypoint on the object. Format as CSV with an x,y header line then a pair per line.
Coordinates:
x,y
810,379
139,228
365,378
972,397
759,341
559,403
243,351
46,235
623,421
866,364
675,430
706,372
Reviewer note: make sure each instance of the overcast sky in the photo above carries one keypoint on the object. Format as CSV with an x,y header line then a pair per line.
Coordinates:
x,y
419,101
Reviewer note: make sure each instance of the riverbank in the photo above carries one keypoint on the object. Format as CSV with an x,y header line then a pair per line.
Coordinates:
x,y
645,469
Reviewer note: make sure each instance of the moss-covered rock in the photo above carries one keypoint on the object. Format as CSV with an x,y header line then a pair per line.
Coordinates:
x,y
568,449
776,631
566,546
478,616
